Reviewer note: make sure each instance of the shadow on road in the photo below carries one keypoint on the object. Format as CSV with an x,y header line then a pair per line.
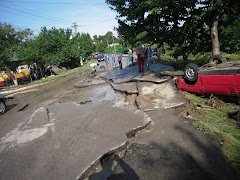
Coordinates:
x,y
11,106
107,165
195,159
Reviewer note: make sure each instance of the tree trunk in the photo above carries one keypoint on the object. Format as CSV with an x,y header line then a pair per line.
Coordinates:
x,y
158,52
214,37
12,76
41,72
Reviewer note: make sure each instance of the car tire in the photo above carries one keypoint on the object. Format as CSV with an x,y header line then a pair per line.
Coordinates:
x,y
191,72
2,107
217,59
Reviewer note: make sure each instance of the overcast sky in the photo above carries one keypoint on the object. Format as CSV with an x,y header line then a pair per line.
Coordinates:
x,y
92,16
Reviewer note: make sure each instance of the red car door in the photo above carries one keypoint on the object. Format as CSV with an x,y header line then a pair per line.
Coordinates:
x,y
237,84
220,84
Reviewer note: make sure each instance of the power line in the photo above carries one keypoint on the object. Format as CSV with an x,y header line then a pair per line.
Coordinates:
x,y
98,22
12,12
45,18
23,28
21,15
33,11
62,3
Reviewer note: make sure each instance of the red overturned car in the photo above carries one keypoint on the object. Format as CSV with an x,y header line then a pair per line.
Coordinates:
x,y
216,77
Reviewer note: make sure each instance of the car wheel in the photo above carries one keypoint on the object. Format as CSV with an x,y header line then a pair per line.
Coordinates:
x,y
217,59
2,107
191,72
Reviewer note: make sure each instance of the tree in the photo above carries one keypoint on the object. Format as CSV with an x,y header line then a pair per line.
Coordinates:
x,y
85,44
9,41
102,42
188,25
230,31
58,47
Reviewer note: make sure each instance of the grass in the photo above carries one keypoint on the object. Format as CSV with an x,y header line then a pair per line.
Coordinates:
x,y
214,120
231,57
72,71
199,59
171,73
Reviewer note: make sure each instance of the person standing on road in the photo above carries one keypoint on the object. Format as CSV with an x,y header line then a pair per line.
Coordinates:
x,y
149,53
120,60
140,57
113,61
146,56
106,58
130,54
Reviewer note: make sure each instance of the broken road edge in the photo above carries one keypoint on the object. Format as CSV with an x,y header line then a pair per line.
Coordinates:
x,y
91,169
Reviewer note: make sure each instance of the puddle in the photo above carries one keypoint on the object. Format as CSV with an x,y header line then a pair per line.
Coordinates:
x,y
99,94
105,168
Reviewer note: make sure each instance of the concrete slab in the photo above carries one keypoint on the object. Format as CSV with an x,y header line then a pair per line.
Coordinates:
x,y
99,94
64,139
88,83
125,75
160,67
158,96
123,80
128,88
120,75
151,77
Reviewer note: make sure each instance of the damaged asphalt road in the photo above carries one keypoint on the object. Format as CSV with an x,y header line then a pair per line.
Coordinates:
x,y
70,124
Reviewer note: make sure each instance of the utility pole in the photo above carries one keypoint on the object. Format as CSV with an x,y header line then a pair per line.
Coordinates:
x,y
75,31
75,27
114,45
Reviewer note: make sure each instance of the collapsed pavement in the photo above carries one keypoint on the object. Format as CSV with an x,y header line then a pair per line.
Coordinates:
x,y
152,91
170,147
69,136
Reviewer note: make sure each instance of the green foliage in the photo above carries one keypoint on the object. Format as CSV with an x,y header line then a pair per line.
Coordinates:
x,y
118,49
51,47
58,47
231,57
230,31
85,44
102,42
184,25
10,39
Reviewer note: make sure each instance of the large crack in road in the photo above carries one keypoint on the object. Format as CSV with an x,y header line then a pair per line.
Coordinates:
x,y
130,91
94,120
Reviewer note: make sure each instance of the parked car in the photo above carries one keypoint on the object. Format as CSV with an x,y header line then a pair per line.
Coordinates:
x,y
2,104
221,78
101,57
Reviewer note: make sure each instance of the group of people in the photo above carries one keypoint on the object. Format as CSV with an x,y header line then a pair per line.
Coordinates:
x,y
119,58
144,54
